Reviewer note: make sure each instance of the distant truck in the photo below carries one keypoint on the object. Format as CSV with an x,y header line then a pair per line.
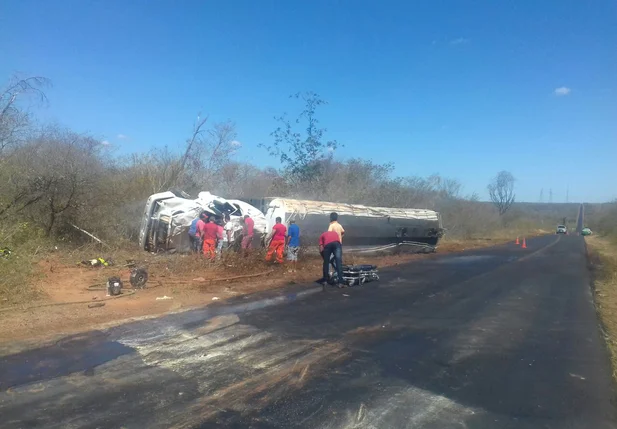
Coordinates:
x,y
561,229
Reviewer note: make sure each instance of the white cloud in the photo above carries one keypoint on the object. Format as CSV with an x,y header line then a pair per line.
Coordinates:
x,y
236,143
122,136
459,41
105,143
562,90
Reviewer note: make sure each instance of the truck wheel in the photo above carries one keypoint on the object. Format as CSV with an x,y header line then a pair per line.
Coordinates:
x,y
139,278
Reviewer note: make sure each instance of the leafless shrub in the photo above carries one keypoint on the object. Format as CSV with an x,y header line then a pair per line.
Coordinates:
x,y
14,119
602,218
53,177
501,191
239,180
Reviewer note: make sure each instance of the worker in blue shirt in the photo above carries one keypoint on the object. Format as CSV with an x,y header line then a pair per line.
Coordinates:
x,y
293,243
195,240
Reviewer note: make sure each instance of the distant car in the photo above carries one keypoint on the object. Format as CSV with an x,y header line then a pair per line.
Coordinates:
x,y
561,229
586,231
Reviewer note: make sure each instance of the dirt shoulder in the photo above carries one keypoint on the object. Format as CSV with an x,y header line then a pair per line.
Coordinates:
x,y
176,283
603,264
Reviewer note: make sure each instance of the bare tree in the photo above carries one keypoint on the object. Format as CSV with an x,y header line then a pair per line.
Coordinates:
x,y
240,180
211,153
160,169
13,119
218,146
192,141
206,152
501,191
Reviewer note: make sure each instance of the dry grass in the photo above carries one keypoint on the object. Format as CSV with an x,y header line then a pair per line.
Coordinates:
x,y
508,234
493,238
18,272
16,275
603,261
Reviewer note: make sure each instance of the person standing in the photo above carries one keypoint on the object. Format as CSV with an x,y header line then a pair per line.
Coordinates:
x,y
221,236
201,223
209,235
195,241
277,242
336,227
247,232
234,233
293,243
228,231
330,246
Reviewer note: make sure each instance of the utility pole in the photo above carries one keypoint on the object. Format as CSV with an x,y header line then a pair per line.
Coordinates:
x,y
568,194
550,195
541,195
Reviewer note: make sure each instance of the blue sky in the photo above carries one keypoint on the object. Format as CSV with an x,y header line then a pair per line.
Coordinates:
x,y
459,88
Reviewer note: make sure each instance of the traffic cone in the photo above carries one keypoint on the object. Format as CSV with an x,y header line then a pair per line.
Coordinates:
x,y
517,242
524,246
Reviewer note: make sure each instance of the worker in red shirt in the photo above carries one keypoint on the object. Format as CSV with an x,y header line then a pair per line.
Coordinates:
x,y
203,220
330,244
193,233
277,242
209,235
247,232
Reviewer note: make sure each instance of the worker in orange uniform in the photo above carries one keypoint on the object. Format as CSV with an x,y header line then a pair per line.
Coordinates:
x,y
209,234
277,243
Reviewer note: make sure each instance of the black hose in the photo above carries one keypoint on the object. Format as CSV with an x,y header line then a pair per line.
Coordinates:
x,y
54,304
103,286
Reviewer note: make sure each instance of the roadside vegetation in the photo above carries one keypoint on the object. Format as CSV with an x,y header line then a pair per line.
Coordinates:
x,y
56,182
602,247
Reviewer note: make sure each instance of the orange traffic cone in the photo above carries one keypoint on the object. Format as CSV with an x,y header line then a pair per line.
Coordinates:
x,y
517,242
524,246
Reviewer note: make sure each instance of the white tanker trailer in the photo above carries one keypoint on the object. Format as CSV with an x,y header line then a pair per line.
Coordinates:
x,y
367,229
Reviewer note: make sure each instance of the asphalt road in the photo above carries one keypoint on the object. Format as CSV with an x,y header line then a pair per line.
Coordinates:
x,y
496,338
580,219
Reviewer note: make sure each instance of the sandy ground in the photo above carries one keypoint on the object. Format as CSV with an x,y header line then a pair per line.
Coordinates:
x,y
185,281
603,263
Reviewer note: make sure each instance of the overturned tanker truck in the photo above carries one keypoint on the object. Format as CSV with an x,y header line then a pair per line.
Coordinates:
x,y
367,229
168,216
